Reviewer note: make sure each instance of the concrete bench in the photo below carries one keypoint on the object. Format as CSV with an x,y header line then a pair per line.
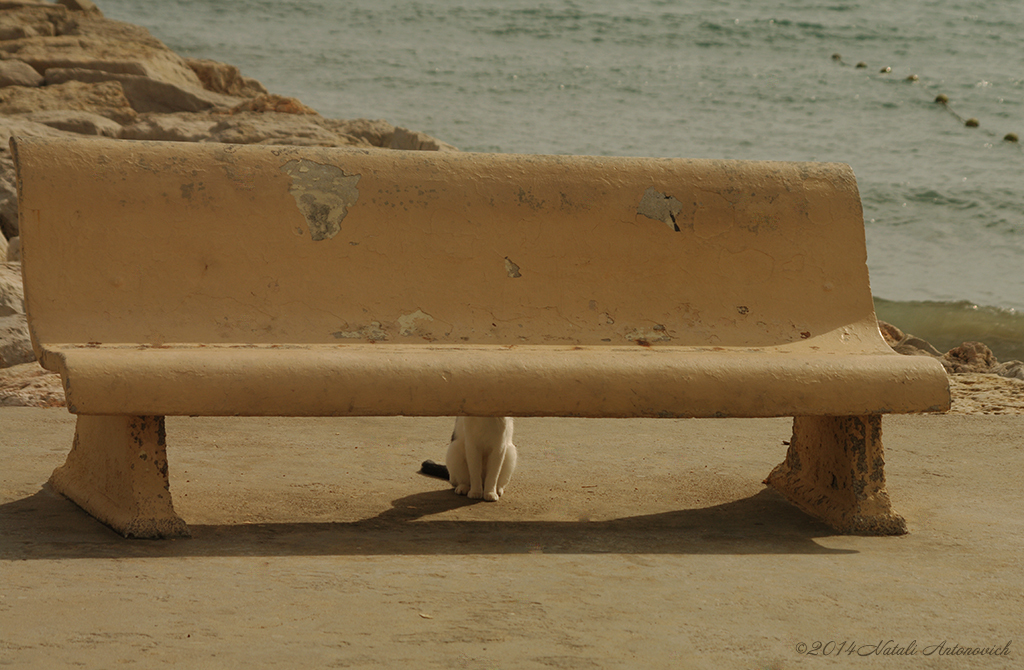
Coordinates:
x,y
221,280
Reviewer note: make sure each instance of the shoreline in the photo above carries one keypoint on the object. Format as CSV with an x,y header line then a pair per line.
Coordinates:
x,y
66,69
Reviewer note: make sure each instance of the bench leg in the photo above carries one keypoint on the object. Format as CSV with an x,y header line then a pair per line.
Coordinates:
x,y
117,472
834,470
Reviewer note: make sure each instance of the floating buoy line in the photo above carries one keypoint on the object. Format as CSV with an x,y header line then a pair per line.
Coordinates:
x,y
942,100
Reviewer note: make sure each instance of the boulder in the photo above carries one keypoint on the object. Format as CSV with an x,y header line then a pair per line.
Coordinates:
x,y
970,357
26,20
239,128
18,73
177,127
29,385
276,128
81,123
15,344
12,297
380,133
81,6
145,94
1010,370
414,140
270,102
94,43
906,344
224,78
890,333
14,250
105,98
8,195
376,132
18,125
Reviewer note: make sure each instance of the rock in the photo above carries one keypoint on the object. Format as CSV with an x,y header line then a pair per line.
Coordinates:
x,y
8,196
4,246
12,297
179,127
105,98
145,94
905,344
81,123
890,333
81,6
270,102
18,73
14,250
94,43
970,357
31,20
915,346
413,140
240,128
276,128
19,125
224,78
376,132
15,344
380,133
29,385
1010,370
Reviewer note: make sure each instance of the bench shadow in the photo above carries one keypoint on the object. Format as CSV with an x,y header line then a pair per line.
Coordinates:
x,y
47,526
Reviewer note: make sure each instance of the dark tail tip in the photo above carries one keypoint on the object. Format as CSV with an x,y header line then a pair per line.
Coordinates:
x,y
432,469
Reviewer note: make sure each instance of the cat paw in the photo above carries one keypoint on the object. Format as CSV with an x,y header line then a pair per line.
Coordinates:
x,y
462,490
491,497
475,495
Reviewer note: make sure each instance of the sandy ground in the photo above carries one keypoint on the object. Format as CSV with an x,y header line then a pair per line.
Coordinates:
x,y
619,544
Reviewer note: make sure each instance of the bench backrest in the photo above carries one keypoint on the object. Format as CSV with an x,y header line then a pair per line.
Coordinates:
x,y
150,242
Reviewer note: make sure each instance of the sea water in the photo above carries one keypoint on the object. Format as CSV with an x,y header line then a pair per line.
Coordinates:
x,y
743,79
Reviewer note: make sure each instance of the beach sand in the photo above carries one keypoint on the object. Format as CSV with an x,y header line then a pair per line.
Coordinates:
x,y
619,544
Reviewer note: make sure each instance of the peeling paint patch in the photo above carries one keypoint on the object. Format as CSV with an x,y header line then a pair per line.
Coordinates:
x,y
323,193
660,207
657,333
511,268
409,324
372,332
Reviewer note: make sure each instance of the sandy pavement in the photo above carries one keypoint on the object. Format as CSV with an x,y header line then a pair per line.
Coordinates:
x,y
619,544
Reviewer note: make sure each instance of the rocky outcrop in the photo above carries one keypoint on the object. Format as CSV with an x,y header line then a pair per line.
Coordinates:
x,y
968,358
28,385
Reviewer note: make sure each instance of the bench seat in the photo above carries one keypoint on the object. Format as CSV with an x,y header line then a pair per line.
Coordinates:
x,y
509,380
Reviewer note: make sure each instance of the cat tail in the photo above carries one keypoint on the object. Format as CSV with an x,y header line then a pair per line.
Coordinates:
x,y
432,469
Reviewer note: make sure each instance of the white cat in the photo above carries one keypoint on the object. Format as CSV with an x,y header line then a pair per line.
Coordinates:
x,y
481,457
